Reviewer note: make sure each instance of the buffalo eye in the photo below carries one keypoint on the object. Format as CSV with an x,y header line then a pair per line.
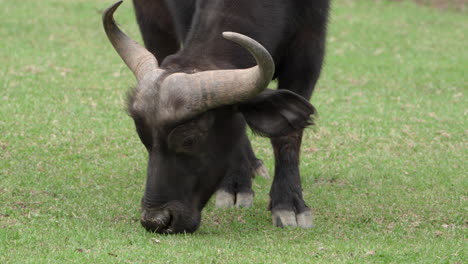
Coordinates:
x,y
189,141
184,139
189,137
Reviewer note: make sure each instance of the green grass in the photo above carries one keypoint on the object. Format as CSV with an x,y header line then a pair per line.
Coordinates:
x,y
384,170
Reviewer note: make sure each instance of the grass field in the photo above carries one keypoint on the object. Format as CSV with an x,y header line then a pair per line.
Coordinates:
x,y
385,169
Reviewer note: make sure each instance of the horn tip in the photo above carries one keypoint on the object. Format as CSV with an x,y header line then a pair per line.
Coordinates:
x,y
111,9
229,34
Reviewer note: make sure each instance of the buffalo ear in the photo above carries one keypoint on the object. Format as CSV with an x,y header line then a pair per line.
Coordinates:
x,y
275,113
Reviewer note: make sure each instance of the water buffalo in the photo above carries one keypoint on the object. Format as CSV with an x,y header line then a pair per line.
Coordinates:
x,y
201,80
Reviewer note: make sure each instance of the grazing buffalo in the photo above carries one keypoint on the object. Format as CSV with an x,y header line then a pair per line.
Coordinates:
x,y
202,79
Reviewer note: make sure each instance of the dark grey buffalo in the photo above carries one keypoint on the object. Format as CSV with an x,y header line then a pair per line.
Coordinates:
x,y
201,79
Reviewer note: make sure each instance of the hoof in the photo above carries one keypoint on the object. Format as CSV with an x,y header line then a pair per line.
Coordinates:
x,y
228,200
244,199
224,199
284,218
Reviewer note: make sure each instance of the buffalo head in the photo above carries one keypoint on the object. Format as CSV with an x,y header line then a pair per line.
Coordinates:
x,y
192,124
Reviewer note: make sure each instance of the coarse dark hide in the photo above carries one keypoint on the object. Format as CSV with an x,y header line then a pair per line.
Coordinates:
x,y
202,78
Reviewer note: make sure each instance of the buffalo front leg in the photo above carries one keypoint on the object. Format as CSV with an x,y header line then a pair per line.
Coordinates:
x,y
236,187
300,74
286,202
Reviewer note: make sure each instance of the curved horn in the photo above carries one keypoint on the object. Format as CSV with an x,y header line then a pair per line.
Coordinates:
x,y
137,58
210,89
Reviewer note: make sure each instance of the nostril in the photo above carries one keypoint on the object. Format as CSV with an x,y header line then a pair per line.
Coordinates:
x,y
171,218
163,218
155,221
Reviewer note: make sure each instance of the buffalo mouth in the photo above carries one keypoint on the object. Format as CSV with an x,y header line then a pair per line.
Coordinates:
x,y
173,218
